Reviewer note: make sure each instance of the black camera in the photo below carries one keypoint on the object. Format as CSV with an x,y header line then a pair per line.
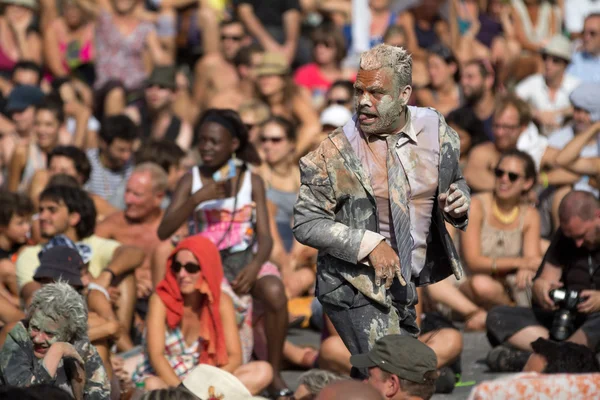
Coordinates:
x,y
566,300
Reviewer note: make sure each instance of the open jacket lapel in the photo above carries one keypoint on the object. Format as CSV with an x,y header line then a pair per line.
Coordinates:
x,y
339,138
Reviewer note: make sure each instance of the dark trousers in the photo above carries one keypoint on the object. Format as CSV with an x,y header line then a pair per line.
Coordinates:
x,y
360,321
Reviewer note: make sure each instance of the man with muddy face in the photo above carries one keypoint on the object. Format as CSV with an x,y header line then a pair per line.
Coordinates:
x,y
373,201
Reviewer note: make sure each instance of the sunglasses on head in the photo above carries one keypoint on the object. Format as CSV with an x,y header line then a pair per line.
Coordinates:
x,y
191,268
511,175
264,139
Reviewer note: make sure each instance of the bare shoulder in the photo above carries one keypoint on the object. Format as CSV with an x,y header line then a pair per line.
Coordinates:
x,y
532,215
110,225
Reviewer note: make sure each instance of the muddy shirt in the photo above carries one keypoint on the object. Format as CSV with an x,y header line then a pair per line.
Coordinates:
x,y
20,367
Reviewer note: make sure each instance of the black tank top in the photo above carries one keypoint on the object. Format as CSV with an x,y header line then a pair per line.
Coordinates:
x,y
146,125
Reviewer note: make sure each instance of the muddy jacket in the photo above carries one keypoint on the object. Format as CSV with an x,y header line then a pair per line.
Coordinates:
x,y
20,367
336,205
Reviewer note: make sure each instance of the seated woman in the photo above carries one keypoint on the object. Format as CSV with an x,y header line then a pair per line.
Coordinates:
x,y
424,28
276,88
443,92
69,43
225,202
501,246
31,157
191,321
329,50
51,346
18,40
281,175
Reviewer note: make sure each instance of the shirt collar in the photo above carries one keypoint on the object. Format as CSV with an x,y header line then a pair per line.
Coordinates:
x,y
408,129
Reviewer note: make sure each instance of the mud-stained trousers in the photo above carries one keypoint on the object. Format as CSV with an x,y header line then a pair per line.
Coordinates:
x,y
360,321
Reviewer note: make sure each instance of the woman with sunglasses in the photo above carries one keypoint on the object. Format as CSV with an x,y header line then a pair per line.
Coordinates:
x,y
191,321
501,245
329,50
225,202
282,178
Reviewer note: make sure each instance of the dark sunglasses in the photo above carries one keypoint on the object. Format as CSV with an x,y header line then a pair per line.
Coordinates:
x,y
327,44
231,37
511,175
191,268
271,139
555,60
340,102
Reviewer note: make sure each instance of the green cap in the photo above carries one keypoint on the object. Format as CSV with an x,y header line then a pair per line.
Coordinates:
x,y
163,76
401,355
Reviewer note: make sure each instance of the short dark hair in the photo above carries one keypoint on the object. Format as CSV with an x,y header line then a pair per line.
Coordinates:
x,y
465,119
522,107
244,55
27,65
78,156
578,203
423,390
328,31
55,106
12,204
288,127
246,152
566,357
344,84
529,164
76,200
118,127
162,152
233,21
447,55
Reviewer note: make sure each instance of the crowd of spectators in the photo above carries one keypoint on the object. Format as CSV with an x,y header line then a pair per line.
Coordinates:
x,y
149,160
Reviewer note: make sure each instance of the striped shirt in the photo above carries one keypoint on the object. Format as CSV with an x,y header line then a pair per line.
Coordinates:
x,y
104,181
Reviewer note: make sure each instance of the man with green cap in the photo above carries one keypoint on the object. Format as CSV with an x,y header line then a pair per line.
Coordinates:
x,y
399,367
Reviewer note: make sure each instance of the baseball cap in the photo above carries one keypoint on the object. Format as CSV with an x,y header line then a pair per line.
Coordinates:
x,y
60,262
163,76
272,63
24,96
401,355
335,115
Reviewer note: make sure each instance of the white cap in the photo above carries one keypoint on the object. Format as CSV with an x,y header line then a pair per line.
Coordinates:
x,y
335,115
206,381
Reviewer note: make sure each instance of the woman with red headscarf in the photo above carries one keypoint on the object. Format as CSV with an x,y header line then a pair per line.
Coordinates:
x,y
191,321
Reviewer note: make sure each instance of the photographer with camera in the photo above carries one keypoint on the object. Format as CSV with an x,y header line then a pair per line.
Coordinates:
x,y
566,291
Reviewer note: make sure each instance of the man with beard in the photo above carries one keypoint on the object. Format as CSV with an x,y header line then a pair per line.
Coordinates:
x,y
138,223
374,200
111,161
155,115
477,83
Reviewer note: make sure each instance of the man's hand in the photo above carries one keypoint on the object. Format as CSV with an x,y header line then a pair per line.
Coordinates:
x,y
541,292
114,293
386,264
143,288
454,202
591,303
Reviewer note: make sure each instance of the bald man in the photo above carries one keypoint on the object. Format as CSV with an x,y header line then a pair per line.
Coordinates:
x,y
571,262
349,390
138,223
